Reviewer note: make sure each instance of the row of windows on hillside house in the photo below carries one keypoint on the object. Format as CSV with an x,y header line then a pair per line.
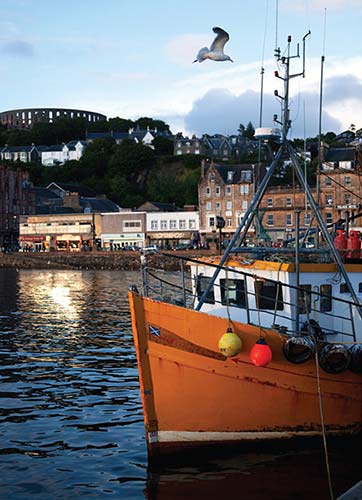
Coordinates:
x,y
46,155
58,154
140,136
216,146
108,231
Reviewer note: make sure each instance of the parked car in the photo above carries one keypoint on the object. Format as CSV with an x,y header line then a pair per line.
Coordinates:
x,y
150,249
183,246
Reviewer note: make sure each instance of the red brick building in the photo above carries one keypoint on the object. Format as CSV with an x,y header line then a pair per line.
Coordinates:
x,y
15,200
227,191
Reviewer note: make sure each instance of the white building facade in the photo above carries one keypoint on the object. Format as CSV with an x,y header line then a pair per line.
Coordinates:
x,y
167,229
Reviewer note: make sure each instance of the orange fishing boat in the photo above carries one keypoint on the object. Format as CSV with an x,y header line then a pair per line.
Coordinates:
x,y
192,393
260,343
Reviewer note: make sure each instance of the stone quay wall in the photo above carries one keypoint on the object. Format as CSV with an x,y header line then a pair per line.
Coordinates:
x,y
129,261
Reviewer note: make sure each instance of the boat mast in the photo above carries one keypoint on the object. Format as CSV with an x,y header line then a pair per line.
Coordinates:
x,y
318,181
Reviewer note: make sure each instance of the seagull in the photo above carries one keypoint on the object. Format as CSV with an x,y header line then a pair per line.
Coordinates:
x,y
216,51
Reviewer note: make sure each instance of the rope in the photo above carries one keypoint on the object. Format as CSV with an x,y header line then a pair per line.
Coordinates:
x,y
227,297
323,427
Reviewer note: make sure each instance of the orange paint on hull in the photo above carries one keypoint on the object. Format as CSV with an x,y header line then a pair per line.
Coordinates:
x,y
188,386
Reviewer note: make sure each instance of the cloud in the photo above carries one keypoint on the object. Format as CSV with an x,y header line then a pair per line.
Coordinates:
x,y
18,48
220,111
347,87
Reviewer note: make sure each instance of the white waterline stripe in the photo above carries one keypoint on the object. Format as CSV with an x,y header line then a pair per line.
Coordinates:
x,y
189,436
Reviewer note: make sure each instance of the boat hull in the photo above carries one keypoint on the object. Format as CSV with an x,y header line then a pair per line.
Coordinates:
x,y
192,394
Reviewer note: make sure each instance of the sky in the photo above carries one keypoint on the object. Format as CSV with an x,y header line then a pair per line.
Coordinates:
x,y
133,59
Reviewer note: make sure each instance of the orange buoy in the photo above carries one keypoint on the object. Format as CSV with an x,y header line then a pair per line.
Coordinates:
x,y
260,354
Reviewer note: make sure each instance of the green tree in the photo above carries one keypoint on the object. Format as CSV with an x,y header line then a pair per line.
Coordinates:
x,y
145,122
163,146
249,131
97,156
130,158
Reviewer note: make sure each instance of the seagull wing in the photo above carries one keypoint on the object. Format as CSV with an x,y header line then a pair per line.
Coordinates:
x,y
220,40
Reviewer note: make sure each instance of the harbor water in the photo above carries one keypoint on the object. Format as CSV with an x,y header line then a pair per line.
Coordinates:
x,y
71,423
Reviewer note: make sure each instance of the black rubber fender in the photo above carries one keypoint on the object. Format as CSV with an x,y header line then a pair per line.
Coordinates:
x,y
356,358
299,349
335,358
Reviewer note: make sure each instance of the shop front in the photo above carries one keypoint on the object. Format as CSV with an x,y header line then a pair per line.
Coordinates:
x,y
33,243
116,242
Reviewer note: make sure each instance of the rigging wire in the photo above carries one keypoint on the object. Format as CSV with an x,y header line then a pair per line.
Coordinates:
x,y
276,23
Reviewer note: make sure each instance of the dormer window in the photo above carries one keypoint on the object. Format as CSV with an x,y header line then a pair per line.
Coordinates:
x,y
230,175
212,177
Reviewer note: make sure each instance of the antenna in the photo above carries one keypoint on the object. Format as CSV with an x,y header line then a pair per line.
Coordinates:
x,y
285,61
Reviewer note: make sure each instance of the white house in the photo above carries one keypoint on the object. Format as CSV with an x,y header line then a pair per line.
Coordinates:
x,y
58,154
168,229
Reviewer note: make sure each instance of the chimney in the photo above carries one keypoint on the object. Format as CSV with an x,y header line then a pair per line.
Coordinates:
x,y
203,168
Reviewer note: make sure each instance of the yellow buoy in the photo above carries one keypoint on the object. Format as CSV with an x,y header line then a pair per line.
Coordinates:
x,y
230,344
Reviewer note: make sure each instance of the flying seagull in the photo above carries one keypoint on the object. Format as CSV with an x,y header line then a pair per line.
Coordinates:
x,y
216,51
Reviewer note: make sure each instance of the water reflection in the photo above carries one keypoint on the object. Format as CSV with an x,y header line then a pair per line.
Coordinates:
x,y
70,413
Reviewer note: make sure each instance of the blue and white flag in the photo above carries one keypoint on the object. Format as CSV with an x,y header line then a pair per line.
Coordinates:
x,y
154,331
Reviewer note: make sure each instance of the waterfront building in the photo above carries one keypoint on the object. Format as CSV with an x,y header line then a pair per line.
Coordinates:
x,y
14,201
226,190
167,229
122,230
57,232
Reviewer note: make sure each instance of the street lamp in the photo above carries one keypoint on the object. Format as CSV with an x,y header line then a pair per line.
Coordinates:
x,y
220,224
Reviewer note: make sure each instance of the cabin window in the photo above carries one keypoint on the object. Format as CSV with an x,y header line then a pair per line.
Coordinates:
x,y
343,288
359,287
202,283
232,292
304,297
326,298
268,295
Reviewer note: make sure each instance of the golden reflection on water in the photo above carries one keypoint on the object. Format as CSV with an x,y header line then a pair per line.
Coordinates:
x,y
58,293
